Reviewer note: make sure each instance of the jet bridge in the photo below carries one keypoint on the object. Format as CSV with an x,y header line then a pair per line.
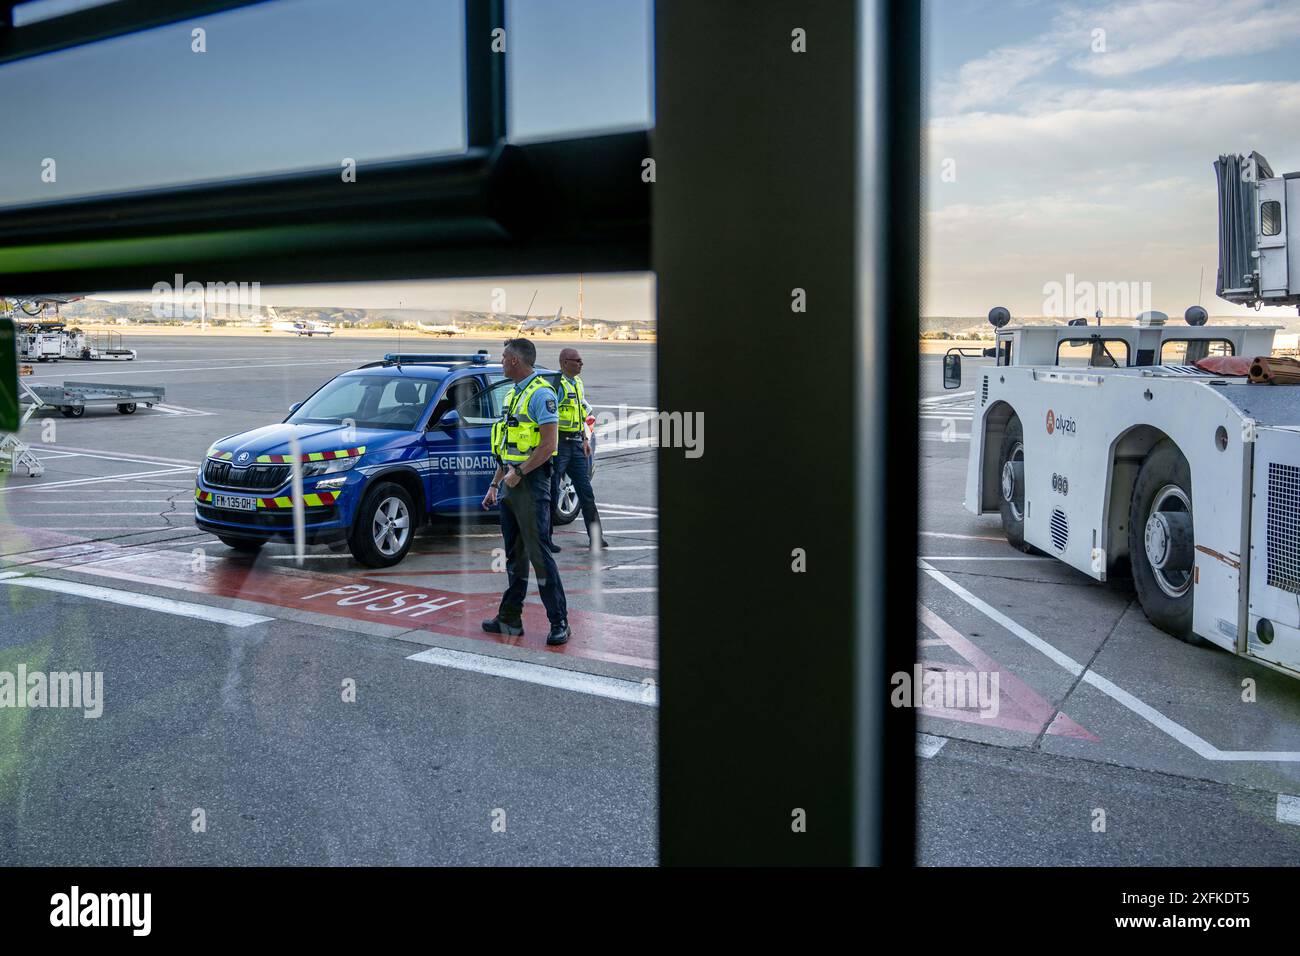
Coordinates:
x,y
1259,232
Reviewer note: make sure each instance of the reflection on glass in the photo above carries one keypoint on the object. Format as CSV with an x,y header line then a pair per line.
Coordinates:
x,y
267,88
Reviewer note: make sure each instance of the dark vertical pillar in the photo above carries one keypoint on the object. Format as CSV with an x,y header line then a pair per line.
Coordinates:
x,y
485,73
772,697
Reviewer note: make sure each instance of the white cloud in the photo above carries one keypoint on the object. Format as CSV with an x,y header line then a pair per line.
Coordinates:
x,y
1147,35
992,77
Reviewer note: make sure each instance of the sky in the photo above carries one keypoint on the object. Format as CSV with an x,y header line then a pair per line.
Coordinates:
x,y
301,84
1065,159
1067,143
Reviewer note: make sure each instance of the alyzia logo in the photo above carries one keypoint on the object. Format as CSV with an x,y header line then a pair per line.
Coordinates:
x,y
36,689
103,909
1059,423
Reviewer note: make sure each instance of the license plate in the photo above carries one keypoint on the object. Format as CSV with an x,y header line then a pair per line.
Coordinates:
x,y
235,502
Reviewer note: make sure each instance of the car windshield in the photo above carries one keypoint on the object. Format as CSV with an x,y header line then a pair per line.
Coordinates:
x,y
368,401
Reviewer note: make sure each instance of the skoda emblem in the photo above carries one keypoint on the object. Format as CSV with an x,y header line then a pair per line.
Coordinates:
x,y
243,457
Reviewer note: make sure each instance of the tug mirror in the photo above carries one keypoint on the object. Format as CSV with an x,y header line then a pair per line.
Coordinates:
x,y
9,421
951,370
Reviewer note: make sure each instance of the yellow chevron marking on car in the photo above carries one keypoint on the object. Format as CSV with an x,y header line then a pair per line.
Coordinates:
x,y
312,456
310,500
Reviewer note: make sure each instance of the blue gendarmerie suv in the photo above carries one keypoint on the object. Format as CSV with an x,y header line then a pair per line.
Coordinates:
x,y
384,448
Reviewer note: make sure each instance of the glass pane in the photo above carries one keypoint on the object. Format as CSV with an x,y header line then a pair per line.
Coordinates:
x,y
1270,215
188,500
578,66
281,86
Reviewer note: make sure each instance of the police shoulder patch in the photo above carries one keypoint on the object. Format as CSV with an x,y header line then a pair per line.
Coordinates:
x,y
550,404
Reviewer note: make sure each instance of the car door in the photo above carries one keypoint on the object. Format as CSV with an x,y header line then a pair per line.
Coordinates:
x,y
461,464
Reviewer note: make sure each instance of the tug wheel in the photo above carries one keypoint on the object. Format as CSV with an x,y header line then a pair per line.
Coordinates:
x,y
1161,544
1011,484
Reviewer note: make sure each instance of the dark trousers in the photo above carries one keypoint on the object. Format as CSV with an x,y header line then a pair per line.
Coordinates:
x,y
525,523
569,460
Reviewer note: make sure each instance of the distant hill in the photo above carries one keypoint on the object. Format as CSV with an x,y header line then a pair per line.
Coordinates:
x,y
98,311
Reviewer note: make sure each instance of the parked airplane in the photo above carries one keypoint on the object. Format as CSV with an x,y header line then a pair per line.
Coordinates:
x,y
301,327
449,330
542,325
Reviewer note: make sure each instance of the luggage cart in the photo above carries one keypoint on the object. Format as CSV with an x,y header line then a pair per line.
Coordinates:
x,y
72,398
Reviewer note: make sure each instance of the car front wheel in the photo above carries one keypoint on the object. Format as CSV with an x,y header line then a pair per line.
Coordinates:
x,y
384,526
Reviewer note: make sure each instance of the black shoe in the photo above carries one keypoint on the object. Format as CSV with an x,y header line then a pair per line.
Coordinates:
x,y
498,626
552,547
602,545
559,634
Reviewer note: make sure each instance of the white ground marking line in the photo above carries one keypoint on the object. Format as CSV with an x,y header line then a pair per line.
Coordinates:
x,y
92,481
628,591
629,516
91,514
646,508
309,557
633,567
180,410
1177,731
632,547
629,444
928,745
10,574
953,397
631,530
97,453
1288,809
980,557
101,527
148,602
632,692
963,537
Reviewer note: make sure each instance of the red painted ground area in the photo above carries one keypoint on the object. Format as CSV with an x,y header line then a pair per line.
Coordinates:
x,y
1020,707
596,635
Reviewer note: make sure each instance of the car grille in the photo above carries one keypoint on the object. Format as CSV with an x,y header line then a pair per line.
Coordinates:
x,y
224,474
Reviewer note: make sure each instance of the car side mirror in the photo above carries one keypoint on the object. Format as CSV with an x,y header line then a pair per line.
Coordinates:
x,y
951,370
294,407
450,419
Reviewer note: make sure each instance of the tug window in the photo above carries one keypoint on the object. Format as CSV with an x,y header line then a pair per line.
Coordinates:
x,y
1191,351
1093,352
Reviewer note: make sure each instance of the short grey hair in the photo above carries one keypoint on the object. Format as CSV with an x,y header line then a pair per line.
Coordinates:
x,y
523,350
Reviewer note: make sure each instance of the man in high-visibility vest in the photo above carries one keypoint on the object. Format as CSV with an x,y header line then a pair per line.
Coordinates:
x,y
524,442
574,449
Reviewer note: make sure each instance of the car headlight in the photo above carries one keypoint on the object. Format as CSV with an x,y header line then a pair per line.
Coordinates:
x,y
310,469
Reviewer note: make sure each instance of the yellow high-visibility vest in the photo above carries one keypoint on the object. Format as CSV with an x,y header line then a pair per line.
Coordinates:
x,y
515,435
572,404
